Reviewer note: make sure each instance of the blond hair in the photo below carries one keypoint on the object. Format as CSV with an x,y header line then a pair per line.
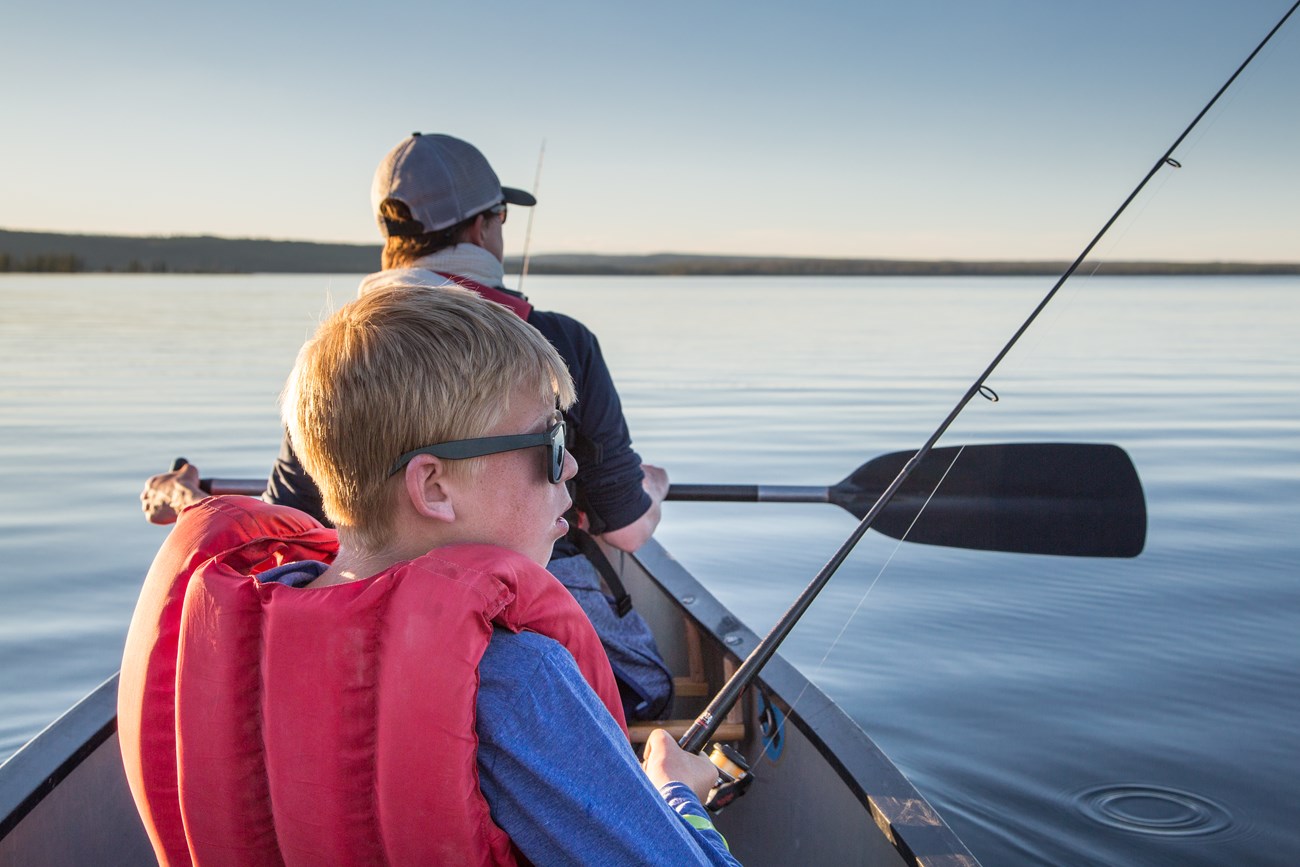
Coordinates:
x,y
400,368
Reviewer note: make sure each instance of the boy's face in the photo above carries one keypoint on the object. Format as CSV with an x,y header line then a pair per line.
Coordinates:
x,y
510,502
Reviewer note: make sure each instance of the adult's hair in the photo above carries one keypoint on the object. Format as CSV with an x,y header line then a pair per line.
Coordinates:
x,y
400,250
400,368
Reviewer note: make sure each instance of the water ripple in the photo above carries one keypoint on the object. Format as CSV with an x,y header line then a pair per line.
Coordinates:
x,y
1154,810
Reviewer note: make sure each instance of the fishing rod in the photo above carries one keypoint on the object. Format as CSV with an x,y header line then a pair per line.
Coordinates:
x,y
532,212
711,717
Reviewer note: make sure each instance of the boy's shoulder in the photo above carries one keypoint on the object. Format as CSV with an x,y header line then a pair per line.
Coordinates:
x,y
519,655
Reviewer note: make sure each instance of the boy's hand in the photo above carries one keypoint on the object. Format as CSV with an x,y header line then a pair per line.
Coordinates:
x,y
665,762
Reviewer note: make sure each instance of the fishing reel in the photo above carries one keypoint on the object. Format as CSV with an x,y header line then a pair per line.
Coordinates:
x,y
733,777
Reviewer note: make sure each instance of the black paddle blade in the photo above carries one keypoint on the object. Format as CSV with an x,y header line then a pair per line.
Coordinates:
x,y
1079,500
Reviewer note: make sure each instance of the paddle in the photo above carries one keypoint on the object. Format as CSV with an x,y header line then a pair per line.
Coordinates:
x,y
1072,499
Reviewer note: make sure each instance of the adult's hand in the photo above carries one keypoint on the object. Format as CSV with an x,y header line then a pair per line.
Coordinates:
x,y
665,762
167,493
655,482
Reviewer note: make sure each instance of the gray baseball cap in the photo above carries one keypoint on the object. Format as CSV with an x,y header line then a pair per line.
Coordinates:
x,y
442,180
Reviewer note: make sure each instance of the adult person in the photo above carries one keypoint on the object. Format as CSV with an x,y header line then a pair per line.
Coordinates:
x,y
412,687
441,210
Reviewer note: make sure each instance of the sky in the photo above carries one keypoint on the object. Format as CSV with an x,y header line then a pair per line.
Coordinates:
x,y
914,129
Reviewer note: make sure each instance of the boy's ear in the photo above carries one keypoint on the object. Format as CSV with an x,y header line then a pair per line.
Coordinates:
x,y
427,488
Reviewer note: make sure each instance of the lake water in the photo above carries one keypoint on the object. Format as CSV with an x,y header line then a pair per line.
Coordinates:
x,y
1055,710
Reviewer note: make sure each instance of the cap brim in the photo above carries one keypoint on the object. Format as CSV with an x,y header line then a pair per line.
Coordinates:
x,y
518,197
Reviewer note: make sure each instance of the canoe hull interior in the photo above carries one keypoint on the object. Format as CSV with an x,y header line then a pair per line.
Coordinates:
x,y
64,795
823,793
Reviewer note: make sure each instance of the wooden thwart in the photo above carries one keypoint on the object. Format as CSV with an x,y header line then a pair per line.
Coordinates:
x,y
695,684
728,731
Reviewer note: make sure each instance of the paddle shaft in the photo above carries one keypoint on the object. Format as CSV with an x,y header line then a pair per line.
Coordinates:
x,y
681,493
750,493
702,729
1065,499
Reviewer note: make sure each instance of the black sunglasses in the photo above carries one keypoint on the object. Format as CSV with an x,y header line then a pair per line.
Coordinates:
x,y
498,210
553,439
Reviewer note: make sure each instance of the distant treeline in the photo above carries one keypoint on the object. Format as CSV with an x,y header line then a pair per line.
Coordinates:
x,y
44,251
49,252
59,263
676,264
68,263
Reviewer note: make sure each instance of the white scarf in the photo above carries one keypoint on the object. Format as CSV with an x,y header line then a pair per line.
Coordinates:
x,y
463,260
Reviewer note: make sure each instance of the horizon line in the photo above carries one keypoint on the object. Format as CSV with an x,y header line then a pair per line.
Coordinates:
x,y
738,257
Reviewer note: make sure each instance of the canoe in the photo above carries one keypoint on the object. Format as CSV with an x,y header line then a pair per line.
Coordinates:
x,y
822,791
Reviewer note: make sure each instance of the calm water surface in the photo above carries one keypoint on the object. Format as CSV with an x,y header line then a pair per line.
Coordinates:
x,y
1055,710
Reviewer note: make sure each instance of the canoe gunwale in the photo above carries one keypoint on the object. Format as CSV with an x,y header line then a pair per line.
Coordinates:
x,y
38,767
917,831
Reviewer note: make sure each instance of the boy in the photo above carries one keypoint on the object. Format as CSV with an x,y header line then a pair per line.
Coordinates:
x,y
419,689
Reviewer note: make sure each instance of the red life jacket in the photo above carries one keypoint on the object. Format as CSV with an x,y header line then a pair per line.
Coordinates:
x,y
517,303
266,724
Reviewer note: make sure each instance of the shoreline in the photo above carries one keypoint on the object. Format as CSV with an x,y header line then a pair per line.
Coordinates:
x,y
48,252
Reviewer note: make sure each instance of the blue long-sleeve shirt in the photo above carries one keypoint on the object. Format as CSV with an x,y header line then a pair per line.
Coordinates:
x,y
561,778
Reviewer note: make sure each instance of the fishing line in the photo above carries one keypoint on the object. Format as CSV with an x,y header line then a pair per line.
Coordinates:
x,y
898,543
707,722
532,212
